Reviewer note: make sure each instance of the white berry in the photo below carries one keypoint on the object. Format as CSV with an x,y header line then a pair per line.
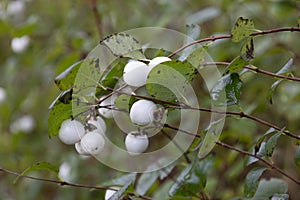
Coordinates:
x,y
92,142
135,73
136,144
71,131
109,102
80,149
99,123
157,60
142,111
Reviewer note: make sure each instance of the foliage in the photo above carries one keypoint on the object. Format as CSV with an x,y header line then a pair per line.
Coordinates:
x,y
262,109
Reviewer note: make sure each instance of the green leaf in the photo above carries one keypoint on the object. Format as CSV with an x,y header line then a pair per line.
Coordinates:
x,y
192,33
110,78
169,81
227,90
146,181
267,188
197,56
212,136
39,166
60,111
247,51
262,138
297,157
124,45
270,144
242,29
298,21
252,181
124,182
285,70
236,64
192,179
65,80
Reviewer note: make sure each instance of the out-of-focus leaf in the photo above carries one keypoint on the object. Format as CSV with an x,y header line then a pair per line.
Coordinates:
x,y
111,77
65,80
192,33
236,64
197,56
39,166
285,70
168,81
146,181
243,28
270,144
124,45
247,51
125,183
297,157
252,181
267,188
262,138
227,90
192,179
214,131
298,21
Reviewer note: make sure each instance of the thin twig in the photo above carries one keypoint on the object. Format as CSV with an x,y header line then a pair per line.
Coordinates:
x,y
64,183
97,18
222,37
246,153
259,158
256,70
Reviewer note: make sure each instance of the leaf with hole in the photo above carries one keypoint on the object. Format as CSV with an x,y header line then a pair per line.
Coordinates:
x,y
243,28
227,90
247,51
236,64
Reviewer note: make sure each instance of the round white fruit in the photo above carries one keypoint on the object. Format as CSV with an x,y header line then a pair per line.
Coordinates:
x,y
80,149
135,73
142,111
71,131
99,123
92,142
157,60
109,102
136,144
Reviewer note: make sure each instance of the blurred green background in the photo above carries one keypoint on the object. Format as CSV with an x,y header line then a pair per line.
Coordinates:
x,y
40,38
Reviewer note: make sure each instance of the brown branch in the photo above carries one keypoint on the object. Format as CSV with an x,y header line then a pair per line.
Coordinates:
x,y
256,70
259,158
183,106
214,38
245,153
97,18
64,183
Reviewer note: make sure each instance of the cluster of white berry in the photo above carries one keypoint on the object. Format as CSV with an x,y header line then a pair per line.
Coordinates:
x,y
89,138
